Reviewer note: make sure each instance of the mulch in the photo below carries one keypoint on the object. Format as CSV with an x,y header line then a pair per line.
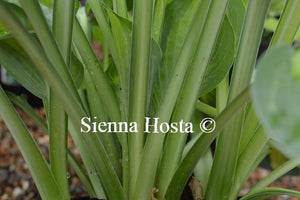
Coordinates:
x,y
16,182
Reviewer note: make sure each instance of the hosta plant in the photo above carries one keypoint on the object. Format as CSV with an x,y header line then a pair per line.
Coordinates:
x,y
165,61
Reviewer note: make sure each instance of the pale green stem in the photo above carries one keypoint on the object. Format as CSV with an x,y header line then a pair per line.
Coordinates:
x,y
200,144
63,15
247,158
185,104
141,44
206,109
154,143
226,155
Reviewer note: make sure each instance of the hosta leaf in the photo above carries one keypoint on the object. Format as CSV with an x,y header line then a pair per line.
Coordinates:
x,y
18,64
221,60
276,97
178,18
236,12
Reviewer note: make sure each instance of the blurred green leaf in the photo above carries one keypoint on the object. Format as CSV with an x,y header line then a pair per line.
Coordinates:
x,y
271,24
276,97
18,64
276,7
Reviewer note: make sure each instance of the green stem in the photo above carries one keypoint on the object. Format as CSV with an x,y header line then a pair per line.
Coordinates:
x,y
221,179
105,27
247,158
277,173
58,143
97,110
206,109
154,144
63,15
250,127
37,164
185,104
88,162
200,145
96,72
288,24
141,41
35,14
83,177
265,193
23,104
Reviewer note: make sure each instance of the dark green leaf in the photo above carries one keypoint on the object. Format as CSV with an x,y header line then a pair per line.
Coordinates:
x,y
18,64
178,18
236,12
222,58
